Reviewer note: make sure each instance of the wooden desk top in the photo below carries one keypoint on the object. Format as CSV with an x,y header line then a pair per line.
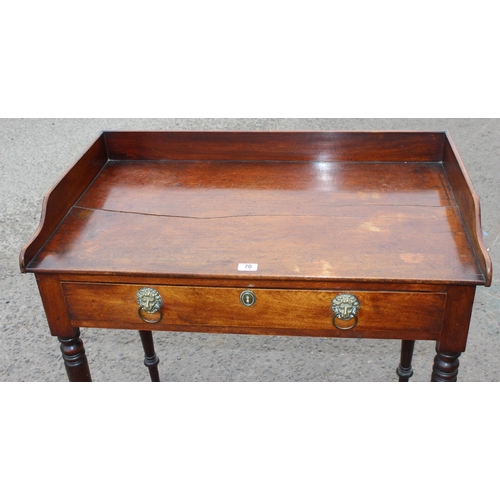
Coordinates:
x,y
368,207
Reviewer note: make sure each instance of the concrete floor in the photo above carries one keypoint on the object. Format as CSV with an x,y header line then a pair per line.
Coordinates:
x,y
34,153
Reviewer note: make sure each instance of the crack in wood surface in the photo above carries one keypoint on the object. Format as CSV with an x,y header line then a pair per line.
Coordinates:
x,y
272,215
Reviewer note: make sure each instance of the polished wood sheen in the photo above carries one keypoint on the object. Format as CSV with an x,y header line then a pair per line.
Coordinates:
x,y
390,217
276,146
383,314
74,357
63,195
445,368
209,217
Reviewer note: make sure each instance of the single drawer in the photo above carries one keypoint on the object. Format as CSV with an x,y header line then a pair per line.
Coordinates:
x,y
378,314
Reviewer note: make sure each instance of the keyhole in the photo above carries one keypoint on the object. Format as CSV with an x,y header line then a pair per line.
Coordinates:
x,y
247,298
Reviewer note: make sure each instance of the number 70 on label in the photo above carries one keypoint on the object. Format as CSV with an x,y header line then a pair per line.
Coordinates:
x,y
247,267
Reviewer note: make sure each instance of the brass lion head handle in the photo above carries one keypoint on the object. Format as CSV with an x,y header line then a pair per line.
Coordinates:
x,y
345,307
150,302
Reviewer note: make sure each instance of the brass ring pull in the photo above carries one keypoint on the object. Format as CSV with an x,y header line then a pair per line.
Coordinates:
x,y
345,327
345,307
151,321
150,302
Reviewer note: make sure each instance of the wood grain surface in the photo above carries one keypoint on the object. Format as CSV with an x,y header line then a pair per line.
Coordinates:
x,y
318,205
61,197
362,243
381,315
276,145
391,217
319,220
468,202
217,189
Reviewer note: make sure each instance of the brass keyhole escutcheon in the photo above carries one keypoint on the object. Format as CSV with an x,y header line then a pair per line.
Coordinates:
x,y
345,307
248,298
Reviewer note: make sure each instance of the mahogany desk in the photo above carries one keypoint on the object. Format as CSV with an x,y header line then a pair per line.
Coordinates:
x,y
330,234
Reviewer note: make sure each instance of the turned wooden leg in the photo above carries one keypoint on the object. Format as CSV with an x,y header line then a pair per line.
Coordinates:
x,y
445,367
404,369
75,360
151,360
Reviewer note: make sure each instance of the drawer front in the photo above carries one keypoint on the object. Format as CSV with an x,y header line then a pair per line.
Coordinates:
x,y
274,311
